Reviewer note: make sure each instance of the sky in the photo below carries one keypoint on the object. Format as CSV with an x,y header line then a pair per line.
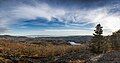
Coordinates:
x,y
58,17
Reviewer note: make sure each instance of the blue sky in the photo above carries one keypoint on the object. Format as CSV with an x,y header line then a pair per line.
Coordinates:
x,y
58,17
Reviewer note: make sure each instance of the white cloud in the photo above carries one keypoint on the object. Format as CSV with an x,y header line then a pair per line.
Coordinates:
x,y
27,12
32,12
60,32
56,32
100,15
110,21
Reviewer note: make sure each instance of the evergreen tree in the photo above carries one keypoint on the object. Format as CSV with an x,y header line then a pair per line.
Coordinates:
x,y
115,39
98,33
98,44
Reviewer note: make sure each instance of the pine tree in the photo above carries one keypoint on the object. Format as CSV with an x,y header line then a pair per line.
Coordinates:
x,y
98,33
98,44
115,39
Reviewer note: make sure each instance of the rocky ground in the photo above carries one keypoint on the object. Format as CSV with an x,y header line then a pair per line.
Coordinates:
x,y
74,57
110,57
81,56
67,58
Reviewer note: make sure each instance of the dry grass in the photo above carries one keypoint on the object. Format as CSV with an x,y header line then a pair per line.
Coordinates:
x,y
77,61
5,60
31,50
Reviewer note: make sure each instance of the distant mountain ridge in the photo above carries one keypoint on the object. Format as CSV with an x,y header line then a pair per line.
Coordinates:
x,y
10,36
85,38
33,36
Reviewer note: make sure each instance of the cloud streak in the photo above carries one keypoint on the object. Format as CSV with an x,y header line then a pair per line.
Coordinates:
x,y
108,16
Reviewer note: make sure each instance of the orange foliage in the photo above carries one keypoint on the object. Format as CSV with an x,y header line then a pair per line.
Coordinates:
x,y
32,50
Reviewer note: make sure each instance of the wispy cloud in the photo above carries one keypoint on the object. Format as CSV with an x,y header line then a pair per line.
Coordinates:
x,y
109,19
56,32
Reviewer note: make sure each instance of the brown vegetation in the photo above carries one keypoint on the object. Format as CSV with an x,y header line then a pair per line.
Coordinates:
x,y
5,60
77,61
31,50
